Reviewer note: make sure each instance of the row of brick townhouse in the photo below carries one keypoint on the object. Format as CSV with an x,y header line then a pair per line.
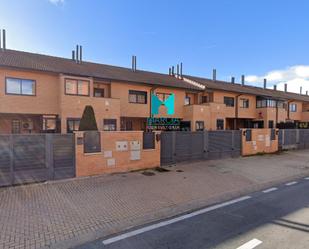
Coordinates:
x,y
40,93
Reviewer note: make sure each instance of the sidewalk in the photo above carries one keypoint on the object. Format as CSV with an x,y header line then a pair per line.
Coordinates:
x,y
64,214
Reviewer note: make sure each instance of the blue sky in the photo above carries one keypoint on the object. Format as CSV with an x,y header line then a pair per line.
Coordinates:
x,y
257,38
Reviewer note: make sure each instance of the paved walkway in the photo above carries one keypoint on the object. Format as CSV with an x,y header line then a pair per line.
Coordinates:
x,y
67,213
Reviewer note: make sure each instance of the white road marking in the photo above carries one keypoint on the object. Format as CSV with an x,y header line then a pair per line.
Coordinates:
x,y
269,190
171,221
290,183
251,244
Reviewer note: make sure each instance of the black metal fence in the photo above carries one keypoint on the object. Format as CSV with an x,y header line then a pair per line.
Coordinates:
x,y
200,145
34,158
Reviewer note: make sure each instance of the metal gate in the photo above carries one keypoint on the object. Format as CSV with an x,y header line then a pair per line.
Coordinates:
x,y
36,157
178,146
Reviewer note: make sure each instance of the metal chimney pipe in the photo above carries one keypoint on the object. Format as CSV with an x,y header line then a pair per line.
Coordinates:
x,y
301,90
80,54
265,83
306,92
275,87
181,70
173,70
169,71
177,70
77,54
132,63
4,39
0,39
233,80
214,74
285,87
135,66
243,80
73,55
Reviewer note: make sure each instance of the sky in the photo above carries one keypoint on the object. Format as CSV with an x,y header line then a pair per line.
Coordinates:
x,y
257,38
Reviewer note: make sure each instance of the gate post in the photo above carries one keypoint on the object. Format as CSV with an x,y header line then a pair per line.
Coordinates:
x,y
11,149
49,156
205,136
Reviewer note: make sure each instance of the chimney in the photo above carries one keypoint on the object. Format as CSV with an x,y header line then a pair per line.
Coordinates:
x,y
243,80
214,74
265,83
181,70
233,80
80,53
306,92
73,55
275,87
285,87
133,63
177,70
77,54
301,90
169,71
4,39
173,70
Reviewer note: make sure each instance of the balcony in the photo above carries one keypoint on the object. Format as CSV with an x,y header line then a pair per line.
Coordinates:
x,y
76,104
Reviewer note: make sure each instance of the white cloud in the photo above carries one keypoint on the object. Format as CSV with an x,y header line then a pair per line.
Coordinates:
x,y
56,2
294,76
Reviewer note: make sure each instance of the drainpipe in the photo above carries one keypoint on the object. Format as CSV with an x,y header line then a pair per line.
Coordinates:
x,y
236,111
151,92
289,101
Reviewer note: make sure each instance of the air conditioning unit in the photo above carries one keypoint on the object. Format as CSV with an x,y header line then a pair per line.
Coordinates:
x,y
27,125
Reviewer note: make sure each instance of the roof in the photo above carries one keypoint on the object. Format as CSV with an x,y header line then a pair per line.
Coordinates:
x,y
45,63
245,89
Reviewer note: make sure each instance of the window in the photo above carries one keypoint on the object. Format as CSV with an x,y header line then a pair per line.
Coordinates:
x,y
98,92
293,107
244,103
49,123
163,96
262,103
73,124
280,104
220,124
270,124
271,103
138,97
187,100
16,125
229,101
110,124
77,87
204,99
199,125
20,86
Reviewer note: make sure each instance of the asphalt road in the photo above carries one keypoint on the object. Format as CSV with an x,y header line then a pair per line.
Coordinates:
x,y
273,218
